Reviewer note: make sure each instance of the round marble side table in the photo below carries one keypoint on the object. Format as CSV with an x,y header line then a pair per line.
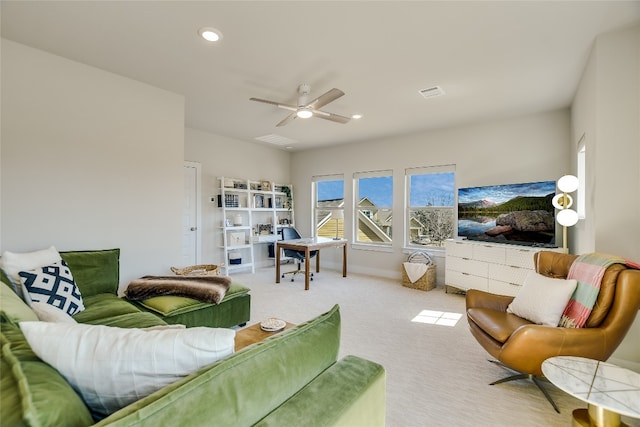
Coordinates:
x,y
609,390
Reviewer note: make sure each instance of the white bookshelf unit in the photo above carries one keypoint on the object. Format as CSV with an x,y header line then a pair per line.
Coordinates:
x,y
253,212
491,267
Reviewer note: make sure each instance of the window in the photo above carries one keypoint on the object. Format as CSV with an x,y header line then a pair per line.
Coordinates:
x,y
374,207
430,205
582,178
329,205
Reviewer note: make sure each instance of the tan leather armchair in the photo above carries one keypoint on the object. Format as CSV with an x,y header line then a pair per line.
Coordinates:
x,y
522,346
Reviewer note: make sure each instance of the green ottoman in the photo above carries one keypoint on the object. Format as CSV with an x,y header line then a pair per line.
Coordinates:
x,y
234,309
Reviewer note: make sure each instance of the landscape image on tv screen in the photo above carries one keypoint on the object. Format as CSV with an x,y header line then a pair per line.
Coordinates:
x,y
511,213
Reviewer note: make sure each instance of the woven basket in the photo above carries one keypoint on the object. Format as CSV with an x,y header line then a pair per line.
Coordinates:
x,y
428,279
198,270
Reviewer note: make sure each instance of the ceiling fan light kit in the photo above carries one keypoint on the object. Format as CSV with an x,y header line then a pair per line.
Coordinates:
x,y
304,113
305,109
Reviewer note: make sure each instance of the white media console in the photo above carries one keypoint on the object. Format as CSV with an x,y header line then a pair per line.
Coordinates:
x,y
492,267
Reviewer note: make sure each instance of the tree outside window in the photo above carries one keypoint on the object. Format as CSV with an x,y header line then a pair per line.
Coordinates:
x,y
431,206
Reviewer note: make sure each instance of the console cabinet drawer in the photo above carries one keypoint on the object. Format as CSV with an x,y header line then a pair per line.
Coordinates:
x,y
458,249
487,253
502,288
471,266
520,257
507,273
465,281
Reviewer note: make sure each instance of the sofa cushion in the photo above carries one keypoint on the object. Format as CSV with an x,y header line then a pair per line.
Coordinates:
x,y
542,299
114,367
174,305
32,393
52,284
132,320
95,272
104,306
12,307
349,393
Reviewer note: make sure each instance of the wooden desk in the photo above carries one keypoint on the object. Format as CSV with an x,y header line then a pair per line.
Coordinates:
x,y
308,245
253,334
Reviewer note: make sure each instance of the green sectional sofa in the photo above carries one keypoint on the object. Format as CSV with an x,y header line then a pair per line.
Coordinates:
x,y
290,379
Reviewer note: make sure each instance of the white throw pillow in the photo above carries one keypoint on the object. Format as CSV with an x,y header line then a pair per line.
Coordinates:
x,y
542,299
49,313
14,262
114,367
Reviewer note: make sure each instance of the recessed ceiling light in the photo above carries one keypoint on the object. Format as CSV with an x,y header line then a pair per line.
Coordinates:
x,y
356,116
210,34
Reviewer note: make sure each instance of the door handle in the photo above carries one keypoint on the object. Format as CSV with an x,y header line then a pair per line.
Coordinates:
x,y
192,229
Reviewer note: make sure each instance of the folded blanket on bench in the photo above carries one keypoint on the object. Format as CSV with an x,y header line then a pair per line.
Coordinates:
x,y
209,289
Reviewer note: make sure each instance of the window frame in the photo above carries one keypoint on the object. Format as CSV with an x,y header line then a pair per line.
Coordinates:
x,y
316,208
387,238
581,160
408,209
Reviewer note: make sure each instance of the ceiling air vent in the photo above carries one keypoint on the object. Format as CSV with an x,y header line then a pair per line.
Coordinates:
x,y
276,139
431,92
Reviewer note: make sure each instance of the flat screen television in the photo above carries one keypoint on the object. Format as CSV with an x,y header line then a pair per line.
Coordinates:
x,y
511,213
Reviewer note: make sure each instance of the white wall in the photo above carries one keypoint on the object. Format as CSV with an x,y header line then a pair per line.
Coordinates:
x,y
524,149
90,160
233,158
607,110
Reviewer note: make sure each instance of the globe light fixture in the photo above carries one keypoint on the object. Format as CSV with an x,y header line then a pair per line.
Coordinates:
x,y
566,217
568,184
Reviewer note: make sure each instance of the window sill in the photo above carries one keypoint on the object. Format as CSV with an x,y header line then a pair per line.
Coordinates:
x,y
368,247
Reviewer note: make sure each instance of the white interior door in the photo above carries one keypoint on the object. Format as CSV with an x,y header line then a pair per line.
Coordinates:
x,y
191,215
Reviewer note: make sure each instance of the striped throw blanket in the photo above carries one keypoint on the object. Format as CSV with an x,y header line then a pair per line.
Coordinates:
x,y
588,270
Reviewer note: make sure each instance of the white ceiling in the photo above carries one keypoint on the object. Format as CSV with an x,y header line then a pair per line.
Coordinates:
x,y
493,59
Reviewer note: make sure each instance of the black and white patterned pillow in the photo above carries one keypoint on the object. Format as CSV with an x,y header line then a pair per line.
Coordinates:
x,y
53,284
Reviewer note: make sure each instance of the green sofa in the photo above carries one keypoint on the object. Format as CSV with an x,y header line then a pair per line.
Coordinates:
x,y
290,379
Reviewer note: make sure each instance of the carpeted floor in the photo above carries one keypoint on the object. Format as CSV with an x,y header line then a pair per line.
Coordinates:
x,y
436,375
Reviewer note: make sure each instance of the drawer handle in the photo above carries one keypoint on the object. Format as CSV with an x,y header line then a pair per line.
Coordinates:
x,y
465,274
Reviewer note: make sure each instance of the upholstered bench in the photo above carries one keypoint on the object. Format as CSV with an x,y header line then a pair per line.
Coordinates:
x,y
234,309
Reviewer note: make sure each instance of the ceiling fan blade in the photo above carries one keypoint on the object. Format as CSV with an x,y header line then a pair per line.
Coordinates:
x,y
325,98
330,116
287,119
277,104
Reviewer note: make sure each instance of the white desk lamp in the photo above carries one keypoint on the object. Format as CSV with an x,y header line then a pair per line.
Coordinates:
x,y
337,214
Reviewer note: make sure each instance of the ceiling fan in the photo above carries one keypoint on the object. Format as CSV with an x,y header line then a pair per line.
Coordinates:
x,y
306,109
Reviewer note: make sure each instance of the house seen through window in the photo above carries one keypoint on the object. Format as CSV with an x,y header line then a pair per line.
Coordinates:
x,y
328,198
374,210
